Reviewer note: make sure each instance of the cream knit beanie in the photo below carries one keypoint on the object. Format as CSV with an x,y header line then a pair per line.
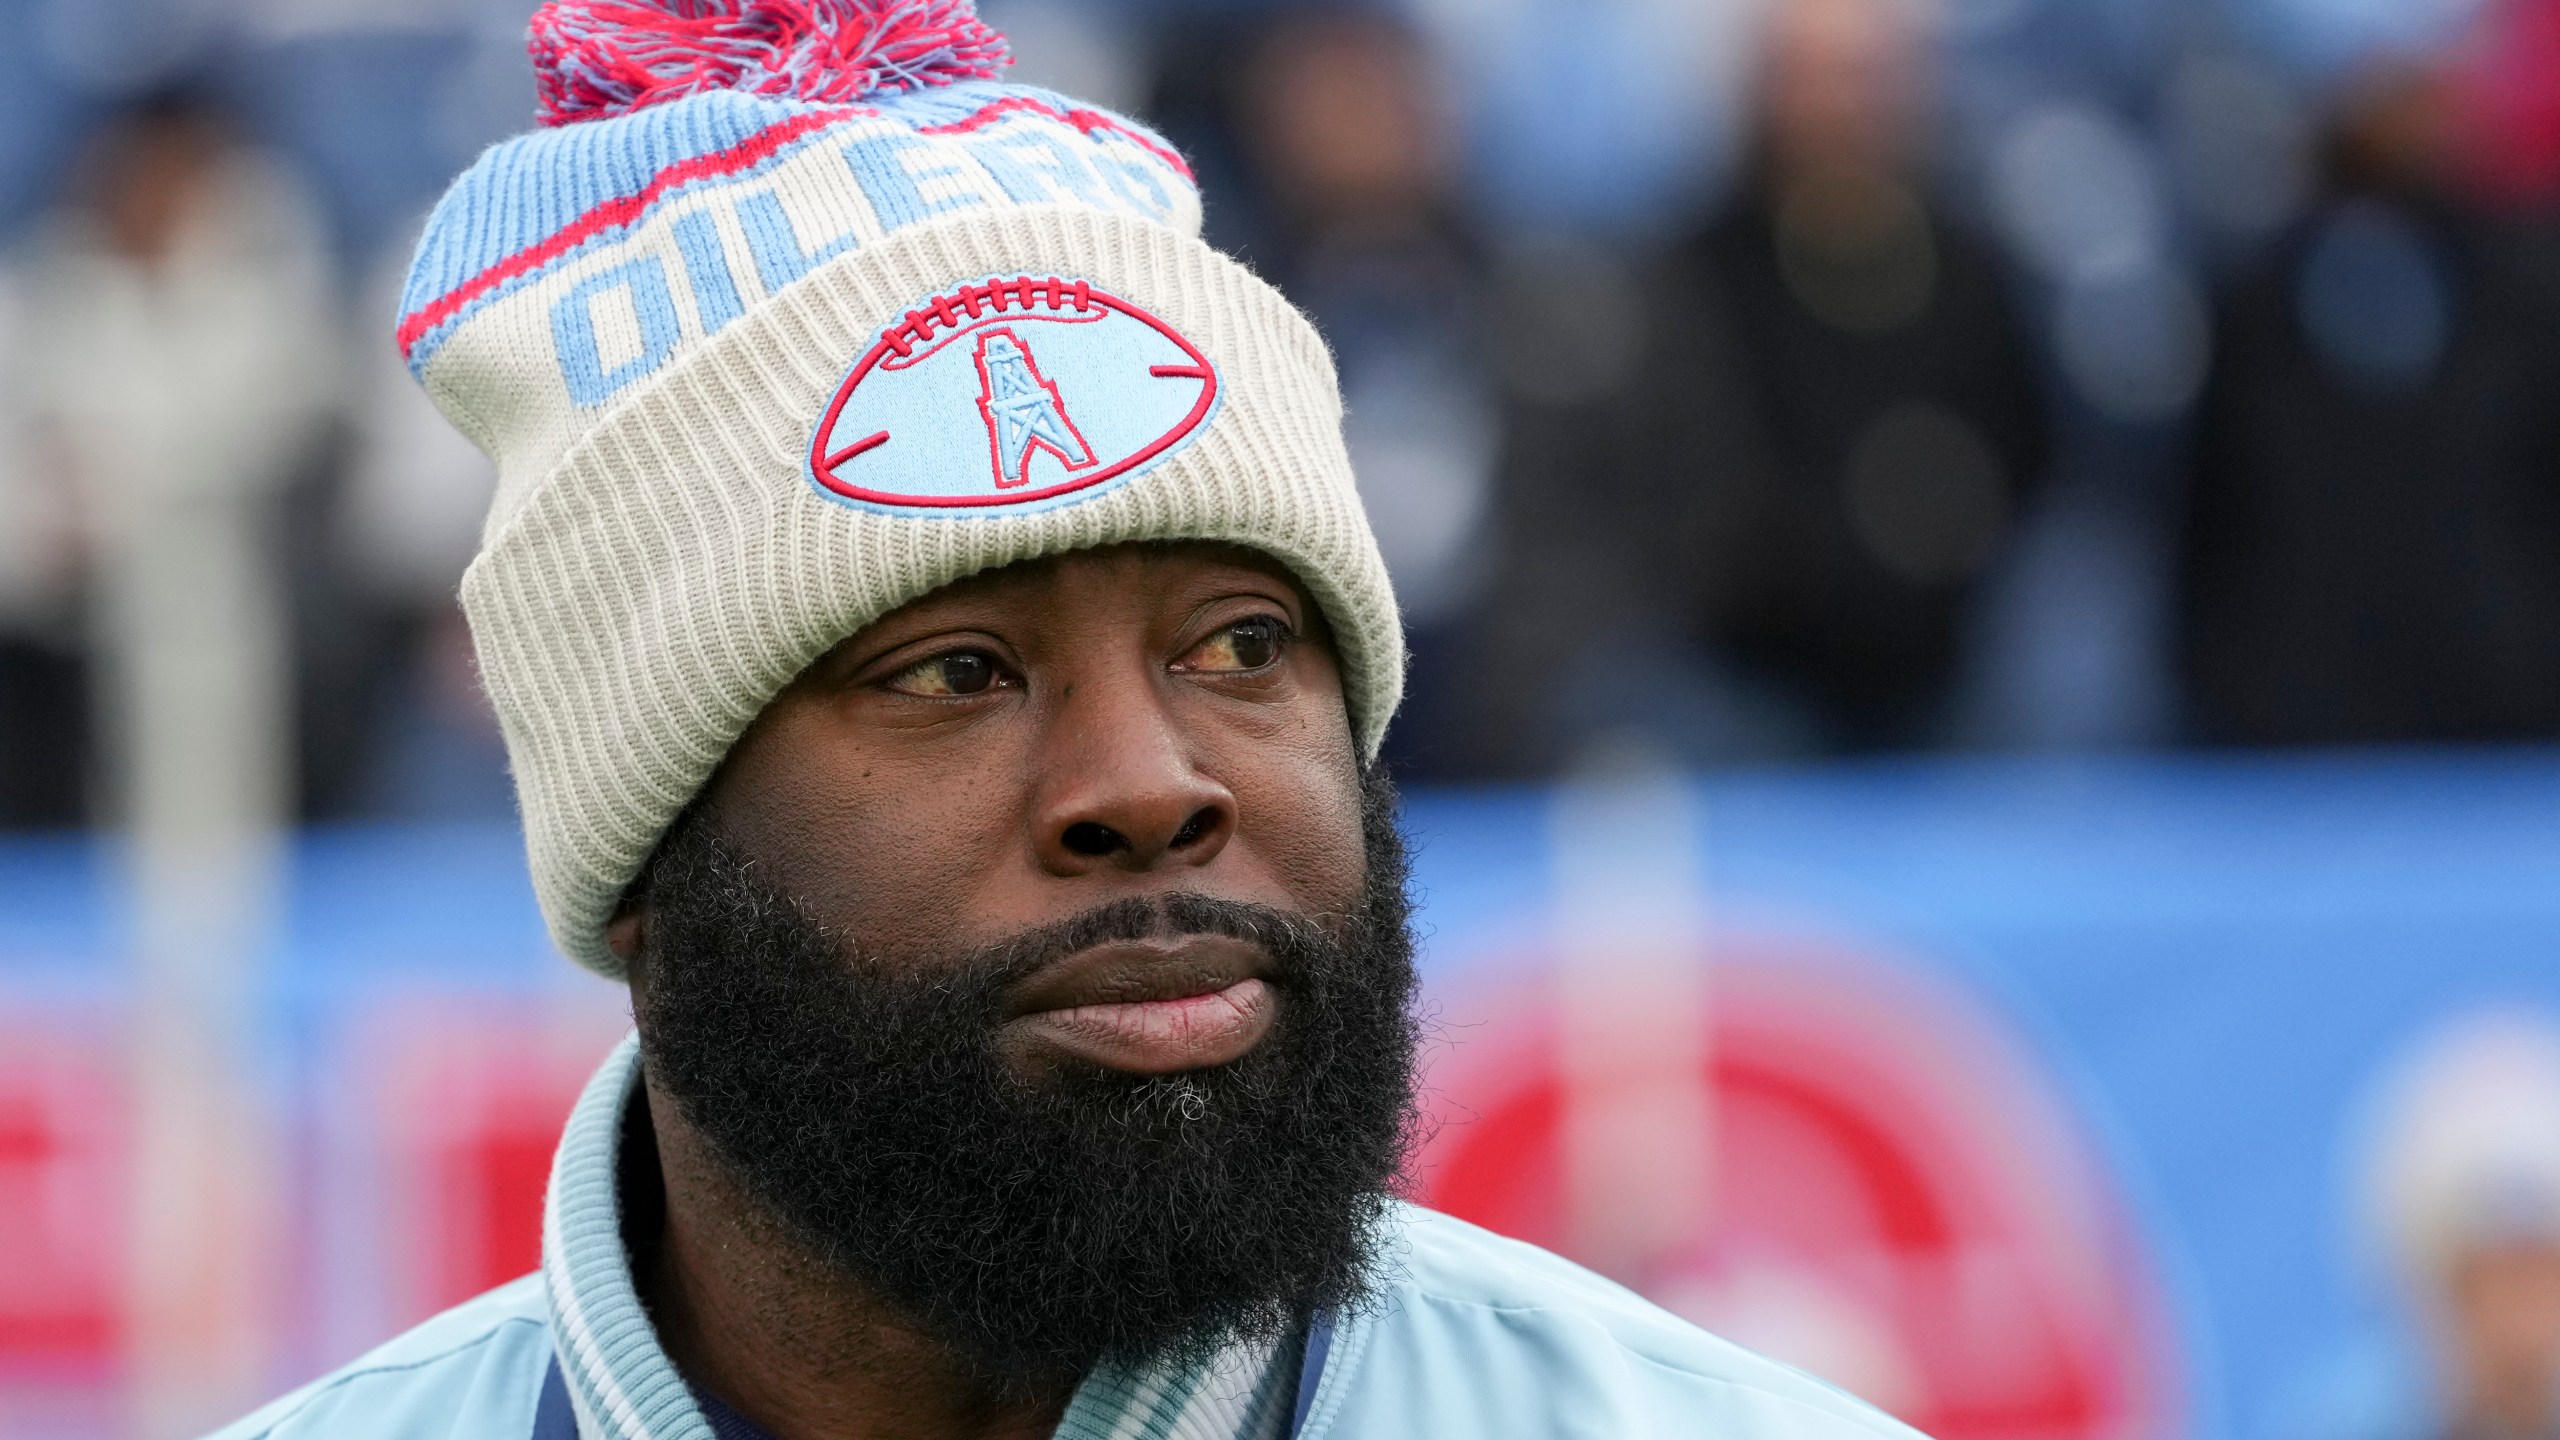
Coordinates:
x,y
795,316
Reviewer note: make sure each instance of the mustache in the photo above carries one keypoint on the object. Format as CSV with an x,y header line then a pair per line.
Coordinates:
x,y
1283,935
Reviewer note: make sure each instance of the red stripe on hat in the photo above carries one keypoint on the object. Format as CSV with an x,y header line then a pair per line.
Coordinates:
x,y
746,154
1087,121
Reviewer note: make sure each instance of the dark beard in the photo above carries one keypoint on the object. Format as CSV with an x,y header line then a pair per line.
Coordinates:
x,y
1041,1227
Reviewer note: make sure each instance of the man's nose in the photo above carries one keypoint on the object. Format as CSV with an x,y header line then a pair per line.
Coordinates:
x,y
1120,789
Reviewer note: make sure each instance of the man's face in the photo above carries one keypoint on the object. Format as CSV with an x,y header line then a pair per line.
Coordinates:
x,y
1031,743
1040,957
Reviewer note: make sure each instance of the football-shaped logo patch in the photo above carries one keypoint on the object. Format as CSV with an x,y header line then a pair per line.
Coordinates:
x,y
1010,391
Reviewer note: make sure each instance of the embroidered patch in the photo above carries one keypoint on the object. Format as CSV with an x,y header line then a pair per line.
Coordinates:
x,y
1018,392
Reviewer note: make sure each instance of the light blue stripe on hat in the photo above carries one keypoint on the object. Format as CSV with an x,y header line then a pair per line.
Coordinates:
x,y
530,188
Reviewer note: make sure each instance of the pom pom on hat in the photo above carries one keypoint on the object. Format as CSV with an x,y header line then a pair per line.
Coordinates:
x,y
594,59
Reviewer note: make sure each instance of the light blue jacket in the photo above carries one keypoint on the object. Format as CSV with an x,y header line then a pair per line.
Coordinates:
x,y
1475,1337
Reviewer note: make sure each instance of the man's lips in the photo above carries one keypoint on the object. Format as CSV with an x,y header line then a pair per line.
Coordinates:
x,y
1149,1007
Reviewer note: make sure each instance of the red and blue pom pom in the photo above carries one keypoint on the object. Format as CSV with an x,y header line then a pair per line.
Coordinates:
x,y
594,59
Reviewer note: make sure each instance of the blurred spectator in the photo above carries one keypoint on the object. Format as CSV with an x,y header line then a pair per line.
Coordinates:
x,y
179,359
1345,131
423,743
181,366
2372,545
44,699
1775,465
2465,1184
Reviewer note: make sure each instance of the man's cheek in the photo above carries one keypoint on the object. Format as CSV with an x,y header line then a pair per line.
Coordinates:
x,y
1310,838
932,861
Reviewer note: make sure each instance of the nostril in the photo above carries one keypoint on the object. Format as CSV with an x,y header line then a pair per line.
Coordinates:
x,y
1192,829
1085,837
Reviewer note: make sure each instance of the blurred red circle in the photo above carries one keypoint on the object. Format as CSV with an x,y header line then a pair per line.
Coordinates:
x,y
1881,1188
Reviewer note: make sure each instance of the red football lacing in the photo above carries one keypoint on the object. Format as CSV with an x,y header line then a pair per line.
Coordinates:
x,y
918,325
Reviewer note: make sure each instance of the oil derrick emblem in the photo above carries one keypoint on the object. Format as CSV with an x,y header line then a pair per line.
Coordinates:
x,y
1023,410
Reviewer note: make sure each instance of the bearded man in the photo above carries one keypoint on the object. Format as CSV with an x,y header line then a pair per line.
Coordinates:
x,y
943,660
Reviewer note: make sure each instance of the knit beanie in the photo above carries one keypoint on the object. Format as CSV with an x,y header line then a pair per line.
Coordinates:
x,y
791,315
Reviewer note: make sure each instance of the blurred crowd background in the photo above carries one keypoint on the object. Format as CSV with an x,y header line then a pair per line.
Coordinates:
x,y
1731,383
1770,378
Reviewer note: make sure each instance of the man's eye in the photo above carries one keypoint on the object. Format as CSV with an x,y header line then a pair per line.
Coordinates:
x,y
1245,645
962,672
